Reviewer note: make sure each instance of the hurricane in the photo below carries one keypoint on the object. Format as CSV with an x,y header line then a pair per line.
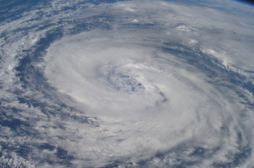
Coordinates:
x,y
126,84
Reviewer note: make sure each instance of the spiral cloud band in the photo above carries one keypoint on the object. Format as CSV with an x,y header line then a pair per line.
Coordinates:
x,y
127,84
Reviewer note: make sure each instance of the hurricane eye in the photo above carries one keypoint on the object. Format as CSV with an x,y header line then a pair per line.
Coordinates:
x,y
124,81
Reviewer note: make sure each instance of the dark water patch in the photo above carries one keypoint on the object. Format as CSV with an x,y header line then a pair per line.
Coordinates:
x,y
63,154
250,2
24,151
11,117
13,123
46,146
14,9
199,151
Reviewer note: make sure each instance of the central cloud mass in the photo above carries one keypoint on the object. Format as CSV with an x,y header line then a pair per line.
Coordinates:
x,y
146,100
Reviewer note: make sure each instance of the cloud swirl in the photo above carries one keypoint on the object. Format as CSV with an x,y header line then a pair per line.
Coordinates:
x,y
127,84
